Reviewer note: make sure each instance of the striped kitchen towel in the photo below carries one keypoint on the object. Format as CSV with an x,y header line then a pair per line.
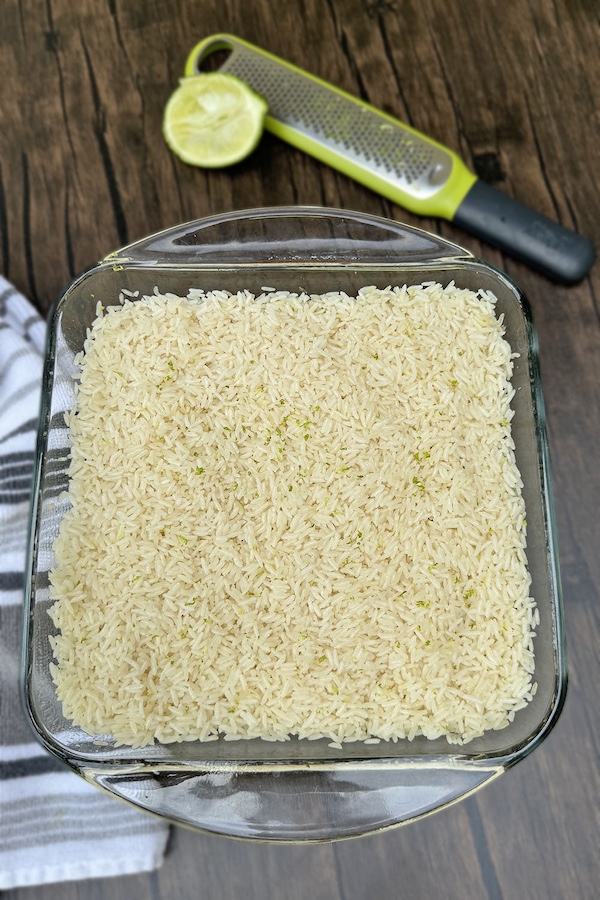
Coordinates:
x,y
53,825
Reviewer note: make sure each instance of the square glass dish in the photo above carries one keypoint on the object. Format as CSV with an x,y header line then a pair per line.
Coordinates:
x,y
297,790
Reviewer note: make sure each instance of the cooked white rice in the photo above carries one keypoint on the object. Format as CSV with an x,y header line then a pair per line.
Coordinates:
x,y
294,515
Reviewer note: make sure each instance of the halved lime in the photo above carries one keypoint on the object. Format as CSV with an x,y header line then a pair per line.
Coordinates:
x,y
213,120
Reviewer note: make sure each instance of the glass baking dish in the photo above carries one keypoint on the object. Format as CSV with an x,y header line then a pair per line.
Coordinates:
x,y
297,790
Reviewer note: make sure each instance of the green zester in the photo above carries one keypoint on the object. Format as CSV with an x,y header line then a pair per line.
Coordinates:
x,y
394,159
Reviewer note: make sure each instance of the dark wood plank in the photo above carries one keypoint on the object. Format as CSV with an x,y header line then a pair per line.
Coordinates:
x,y
236,869
514,89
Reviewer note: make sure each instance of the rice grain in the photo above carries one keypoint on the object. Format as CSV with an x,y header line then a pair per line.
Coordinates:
x,y
294,515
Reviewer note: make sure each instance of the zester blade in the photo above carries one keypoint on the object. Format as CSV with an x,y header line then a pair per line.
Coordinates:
x,y
337,128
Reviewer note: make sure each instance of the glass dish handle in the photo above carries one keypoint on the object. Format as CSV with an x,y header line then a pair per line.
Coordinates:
x,y
304,805
290,234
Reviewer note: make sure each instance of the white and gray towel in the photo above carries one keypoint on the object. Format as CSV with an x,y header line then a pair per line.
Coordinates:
x,y
53,825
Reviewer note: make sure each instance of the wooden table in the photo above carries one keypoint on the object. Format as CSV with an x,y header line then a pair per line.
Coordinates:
x,y
513,88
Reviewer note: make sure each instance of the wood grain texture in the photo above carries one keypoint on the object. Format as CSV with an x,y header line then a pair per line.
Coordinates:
x,y
514,88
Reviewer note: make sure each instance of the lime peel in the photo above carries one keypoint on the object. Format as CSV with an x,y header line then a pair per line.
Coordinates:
x,y
213,120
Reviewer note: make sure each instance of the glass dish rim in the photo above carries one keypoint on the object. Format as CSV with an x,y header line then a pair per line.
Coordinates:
x,y
457,262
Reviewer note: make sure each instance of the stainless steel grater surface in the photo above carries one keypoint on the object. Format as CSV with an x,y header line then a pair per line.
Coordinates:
x,y
338,123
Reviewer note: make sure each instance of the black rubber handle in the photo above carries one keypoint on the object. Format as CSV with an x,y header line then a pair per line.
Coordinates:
x,y
528,235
